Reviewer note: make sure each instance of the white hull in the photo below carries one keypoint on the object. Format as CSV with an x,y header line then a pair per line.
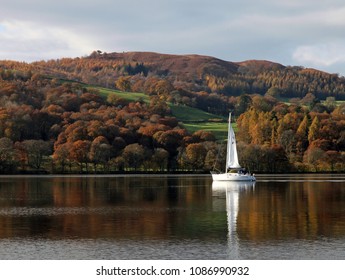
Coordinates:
x,y
233,186
232,177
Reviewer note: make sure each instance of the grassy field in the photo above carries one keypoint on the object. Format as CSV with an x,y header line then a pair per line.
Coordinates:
x,y
130,96
189,114
191,118
218,129
194,119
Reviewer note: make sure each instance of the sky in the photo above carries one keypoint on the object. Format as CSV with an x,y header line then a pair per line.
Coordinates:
x,y
309,33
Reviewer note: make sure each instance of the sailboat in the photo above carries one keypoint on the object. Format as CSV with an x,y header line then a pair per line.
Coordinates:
x,y
233,170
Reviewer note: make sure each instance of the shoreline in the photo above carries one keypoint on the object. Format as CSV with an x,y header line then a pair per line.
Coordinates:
x,y
155,174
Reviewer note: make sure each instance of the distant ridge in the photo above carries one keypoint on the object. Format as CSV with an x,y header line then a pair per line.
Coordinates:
x,y
188,62
174,63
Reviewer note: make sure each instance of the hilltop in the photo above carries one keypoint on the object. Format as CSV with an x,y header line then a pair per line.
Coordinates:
x,y
192,73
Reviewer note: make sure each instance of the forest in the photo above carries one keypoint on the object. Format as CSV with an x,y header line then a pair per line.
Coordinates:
x,y
54,117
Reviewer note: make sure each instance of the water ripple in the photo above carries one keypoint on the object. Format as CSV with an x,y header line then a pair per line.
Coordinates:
x,y
54,211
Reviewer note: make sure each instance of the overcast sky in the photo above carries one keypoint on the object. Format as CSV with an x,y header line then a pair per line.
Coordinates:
x,y
308,33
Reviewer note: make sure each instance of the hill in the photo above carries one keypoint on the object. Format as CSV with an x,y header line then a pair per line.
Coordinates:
x,y
190,74
196,73
123,112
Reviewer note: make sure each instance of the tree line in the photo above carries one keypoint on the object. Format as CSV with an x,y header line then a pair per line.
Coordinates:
x,y
206,83
293,138
50,126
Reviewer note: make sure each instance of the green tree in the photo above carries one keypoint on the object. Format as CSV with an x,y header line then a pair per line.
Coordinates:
x,y
330,103
243,104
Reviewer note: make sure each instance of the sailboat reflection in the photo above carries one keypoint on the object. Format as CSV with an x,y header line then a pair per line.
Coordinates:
x,y
232,191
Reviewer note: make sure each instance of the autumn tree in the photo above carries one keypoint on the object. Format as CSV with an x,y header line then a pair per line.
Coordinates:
x,y
202,136
163,88
116,101
314,157
302,135
100,151
250,156
262,130
158,106
118,163
134,156
332,158
211,158
314,128
79,153
123,83
288,141
7,156
36,151
194,156
62,157
160,159
245,124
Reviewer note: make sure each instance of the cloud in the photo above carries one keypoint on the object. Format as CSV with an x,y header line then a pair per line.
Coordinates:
x,y
28,41
324,55
283,31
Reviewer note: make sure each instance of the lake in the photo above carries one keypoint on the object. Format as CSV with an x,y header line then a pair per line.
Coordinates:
x,y
171,217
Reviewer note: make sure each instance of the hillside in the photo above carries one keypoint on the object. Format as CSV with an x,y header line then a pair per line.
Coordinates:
x,y
190,73
190,118
197,73
151,112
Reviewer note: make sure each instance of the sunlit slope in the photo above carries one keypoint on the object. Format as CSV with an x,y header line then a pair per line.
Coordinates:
x,y
191,118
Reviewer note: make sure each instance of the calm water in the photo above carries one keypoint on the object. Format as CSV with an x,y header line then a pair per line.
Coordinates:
x,y
172,217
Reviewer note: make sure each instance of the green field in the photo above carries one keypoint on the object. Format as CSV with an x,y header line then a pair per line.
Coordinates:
x,y
130,96
191,118
218,129
194,119
189,114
